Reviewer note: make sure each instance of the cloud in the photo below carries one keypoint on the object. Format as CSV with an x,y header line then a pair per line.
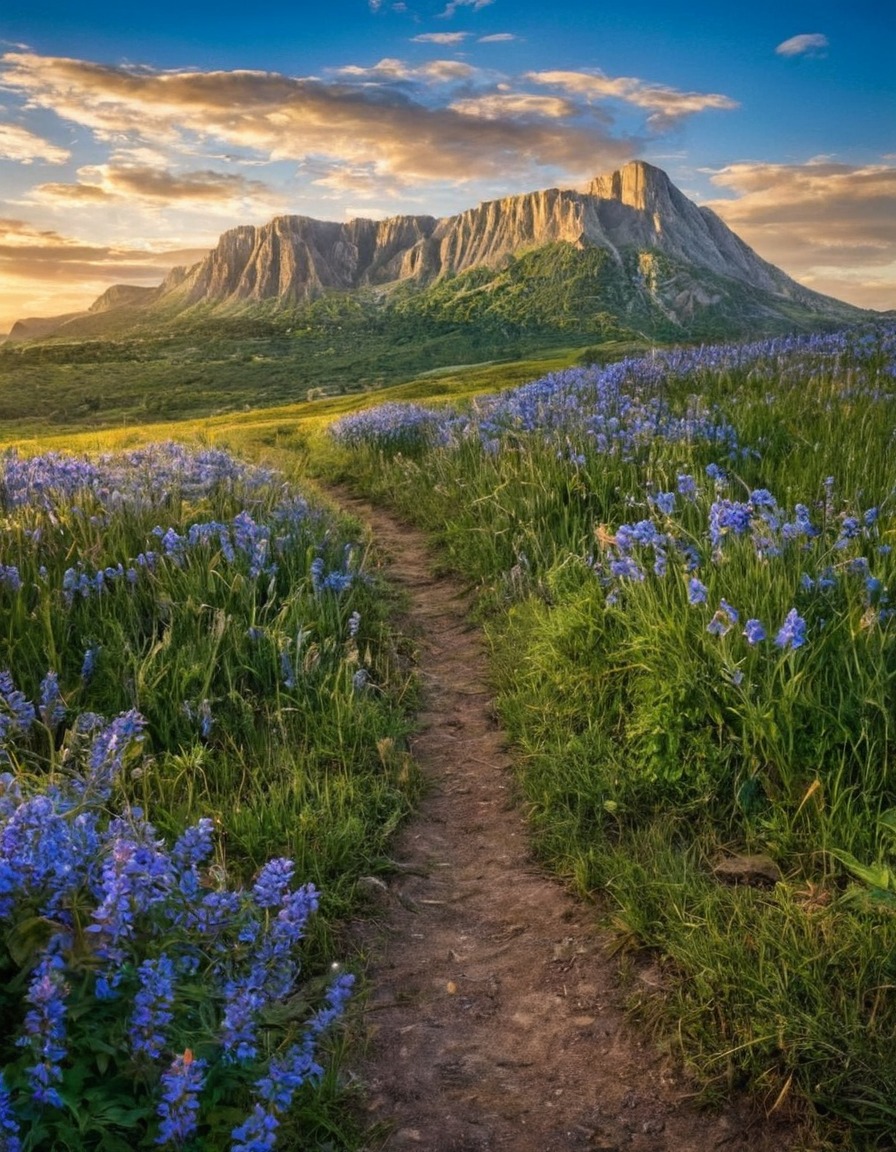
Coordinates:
x,y
440,37
831,225
496,38
24,147
515,105
156,185
807,44
665,105
392,71
391,112
453,6
46,273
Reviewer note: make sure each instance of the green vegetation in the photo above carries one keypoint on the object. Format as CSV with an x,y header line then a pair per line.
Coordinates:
x,y
723,785
185,640
686,569
138,365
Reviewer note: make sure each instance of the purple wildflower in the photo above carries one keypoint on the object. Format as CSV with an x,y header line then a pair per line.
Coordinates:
x,y
45,1025
665,501
108,750
754,631
178,1108
687,486
9,1126
52,706
194,846
723,620
273,881
792,633
152,1007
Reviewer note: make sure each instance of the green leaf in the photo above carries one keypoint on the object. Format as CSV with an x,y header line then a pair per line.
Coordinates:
x,y
25,939
875,875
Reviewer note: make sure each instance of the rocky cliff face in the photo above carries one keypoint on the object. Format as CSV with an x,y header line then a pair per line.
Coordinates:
x,y
634,214
296,258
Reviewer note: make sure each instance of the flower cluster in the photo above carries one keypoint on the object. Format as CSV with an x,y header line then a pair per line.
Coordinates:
x,y
144,478
144,923
776,538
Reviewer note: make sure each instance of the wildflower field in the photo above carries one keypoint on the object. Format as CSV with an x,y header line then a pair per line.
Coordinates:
x,y
198,759
688,578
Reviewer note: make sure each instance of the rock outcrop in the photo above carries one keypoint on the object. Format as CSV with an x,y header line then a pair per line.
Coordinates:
x,y
123,296
635,214
296,258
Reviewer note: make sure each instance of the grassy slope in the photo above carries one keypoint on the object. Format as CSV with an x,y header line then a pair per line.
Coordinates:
x,y
766,982
136,366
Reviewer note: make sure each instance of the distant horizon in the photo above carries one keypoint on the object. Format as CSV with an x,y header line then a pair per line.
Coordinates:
x,y
129,141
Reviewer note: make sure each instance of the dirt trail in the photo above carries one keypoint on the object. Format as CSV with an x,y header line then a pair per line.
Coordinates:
x,y
494,1020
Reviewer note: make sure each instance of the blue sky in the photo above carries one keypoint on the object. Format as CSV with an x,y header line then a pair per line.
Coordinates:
x,y
130,138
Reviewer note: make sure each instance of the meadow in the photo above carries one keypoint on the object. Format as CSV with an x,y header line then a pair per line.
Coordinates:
x,y
687,576
200,726
686,573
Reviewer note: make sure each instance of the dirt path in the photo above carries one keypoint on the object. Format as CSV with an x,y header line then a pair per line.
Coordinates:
x,y
494,1020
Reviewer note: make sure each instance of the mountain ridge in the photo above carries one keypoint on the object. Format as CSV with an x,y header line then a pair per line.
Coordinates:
x,y
635,211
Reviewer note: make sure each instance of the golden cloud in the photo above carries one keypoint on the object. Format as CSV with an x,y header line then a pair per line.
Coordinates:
x,y
45,273
19,144
281,117
831,225
129,182
523,105
664,104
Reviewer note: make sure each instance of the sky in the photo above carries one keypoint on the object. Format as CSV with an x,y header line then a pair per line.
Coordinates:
x,y
132,136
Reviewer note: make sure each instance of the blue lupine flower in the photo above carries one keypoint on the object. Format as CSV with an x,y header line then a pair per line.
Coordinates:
x,y
627,569
873,590
153,1003
10,578
109,748
723,621
687,486
9,1125
754,631
272,883
179,1106
194,846
20,712
52,706
665,501
792,633
256,1134
88,664
45,1026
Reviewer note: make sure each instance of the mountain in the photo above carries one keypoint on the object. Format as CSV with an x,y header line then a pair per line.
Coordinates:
x,y
639,253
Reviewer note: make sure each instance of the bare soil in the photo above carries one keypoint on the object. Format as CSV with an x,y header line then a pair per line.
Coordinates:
x,y
495,1018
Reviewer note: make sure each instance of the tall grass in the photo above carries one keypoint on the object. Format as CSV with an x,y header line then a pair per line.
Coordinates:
x,y
687,572
186,640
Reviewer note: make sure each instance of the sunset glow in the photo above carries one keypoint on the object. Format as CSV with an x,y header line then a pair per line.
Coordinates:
x,y
130,140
